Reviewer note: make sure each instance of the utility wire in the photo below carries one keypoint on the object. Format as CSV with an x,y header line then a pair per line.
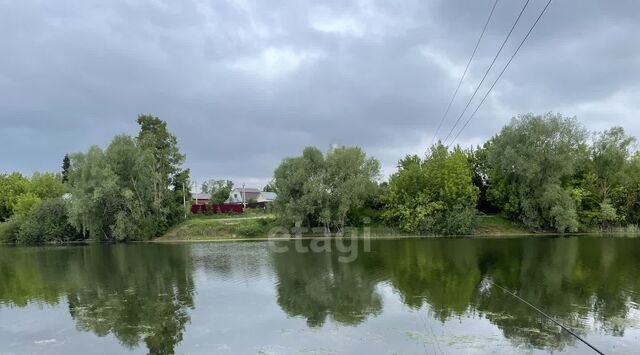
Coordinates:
x,y
502,72
455,93
488,70
548,317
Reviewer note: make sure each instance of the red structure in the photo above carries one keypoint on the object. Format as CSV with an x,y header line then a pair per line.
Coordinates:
x,y
217,208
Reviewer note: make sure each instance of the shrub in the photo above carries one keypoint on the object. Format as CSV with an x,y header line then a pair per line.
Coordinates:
x,y
47,222
9,230
435,195
252,229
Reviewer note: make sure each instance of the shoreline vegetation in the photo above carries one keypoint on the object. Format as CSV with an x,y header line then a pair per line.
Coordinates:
x,y
540,175
231,229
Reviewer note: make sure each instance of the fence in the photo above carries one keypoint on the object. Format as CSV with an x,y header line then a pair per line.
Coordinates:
x,y
217,208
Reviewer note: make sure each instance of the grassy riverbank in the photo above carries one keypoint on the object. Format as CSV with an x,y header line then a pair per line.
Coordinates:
x,y
227,226
258,225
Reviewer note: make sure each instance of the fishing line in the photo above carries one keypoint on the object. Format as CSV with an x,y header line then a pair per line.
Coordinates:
x,y
547,316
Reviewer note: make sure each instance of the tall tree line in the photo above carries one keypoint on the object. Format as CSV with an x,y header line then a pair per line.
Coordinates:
x,y
132,190
547,172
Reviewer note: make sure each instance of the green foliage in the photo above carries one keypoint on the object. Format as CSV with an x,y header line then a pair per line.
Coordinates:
x,y
531,162
218,189
324,191
170,181
113,191
606,179
24,203
610,153
270,187
9,230
132,190
629,200
18,191
47,185
372,208
11,186
47,222
434,195
480,169
558,208
66,165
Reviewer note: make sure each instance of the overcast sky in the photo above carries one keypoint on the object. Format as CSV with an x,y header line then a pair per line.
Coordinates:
x,y
244,84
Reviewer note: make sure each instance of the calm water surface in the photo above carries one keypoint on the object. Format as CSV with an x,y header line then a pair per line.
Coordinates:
x,y
435,296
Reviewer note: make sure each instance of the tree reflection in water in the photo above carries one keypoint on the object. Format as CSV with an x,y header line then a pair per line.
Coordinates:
x,y
143,294
135,292
576,280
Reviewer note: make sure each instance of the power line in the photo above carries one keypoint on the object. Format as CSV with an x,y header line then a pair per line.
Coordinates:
x,y
502,72
548,316
488,70
455,93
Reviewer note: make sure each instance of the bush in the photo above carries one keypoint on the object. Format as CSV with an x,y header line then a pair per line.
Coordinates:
x,y
435,195
47,222
9,230
252,229
453,221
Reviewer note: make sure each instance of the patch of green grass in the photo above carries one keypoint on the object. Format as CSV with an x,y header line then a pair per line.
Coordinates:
x,y
497,225
221,228
241,226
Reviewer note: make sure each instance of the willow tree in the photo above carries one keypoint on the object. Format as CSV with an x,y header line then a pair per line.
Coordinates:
x,y
532,162
131,190
324,191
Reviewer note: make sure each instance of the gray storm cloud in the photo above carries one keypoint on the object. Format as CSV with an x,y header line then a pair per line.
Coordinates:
x,y
244,84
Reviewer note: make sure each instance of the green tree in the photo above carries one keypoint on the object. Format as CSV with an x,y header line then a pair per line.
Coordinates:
x,y
350,179
25,203
299,183
47,222
610,153
168,176
218,189
10,228
531,164
11,186
66,165
434,195
630,199
134,189
47,185
480,169
113,192
269,187
602,179
324,191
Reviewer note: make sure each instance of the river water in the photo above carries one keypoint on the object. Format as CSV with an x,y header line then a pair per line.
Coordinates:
x,y
407,296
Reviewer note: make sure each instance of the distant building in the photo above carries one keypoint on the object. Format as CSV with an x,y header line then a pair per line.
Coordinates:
x,y
200,199
247,194
251,195
266,196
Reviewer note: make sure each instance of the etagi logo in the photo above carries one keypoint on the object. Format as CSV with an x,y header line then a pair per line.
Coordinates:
x,y
346,242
